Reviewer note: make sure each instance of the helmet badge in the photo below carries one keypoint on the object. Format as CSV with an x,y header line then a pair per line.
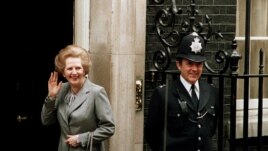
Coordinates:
x,y
196,46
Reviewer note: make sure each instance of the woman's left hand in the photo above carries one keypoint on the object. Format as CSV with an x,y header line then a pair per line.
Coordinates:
x,y
72,140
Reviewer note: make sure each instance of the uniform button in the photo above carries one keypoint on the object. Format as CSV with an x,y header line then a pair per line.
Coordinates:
x,y
198,114
198,150
199,138
199,125
178,114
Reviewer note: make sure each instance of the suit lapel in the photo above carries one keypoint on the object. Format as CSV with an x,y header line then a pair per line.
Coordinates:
x,y
64,109
184,95
204,95
83,94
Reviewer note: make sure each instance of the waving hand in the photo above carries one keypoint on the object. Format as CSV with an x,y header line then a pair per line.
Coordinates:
x,y
53,85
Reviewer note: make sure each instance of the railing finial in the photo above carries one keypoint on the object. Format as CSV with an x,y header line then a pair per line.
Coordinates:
x,y
235,57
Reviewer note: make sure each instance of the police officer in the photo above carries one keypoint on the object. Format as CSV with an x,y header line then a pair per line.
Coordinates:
x,y
189,120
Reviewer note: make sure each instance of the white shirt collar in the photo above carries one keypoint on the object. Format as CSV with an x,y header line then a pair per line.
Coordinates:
x,y
188,85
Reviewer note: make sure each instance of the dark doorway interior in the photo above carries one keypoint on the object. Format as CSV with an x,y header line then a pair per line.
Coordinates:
x,y
34,32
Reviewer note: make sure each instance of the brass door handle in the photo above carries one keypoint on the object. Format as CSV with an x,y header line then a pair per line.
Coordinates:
x,y
139,95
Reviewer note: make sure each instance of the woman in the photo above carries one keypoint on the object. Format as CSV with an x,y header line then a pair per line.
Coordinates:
x,y
81,107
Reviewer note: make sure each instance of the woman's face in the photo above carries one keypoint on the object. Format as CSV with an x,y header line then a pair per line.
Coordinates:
x,y
190,71
74,72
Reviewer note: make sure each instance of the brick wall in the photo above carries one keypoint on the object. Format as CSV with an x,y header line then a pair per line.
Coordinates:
x,y
223,14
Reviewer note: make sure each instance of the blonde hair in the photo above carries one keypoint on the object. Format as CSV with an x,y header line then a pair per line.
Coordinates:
x,y
72,51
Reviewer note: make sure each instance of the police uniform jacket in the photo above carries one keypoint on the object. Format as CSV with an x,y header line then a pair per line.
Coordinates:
x,y
188,128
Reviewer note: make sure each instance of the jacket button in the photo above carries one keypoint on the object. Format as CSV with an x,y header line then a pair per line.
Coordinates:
x,y
178,114
199,138
199,125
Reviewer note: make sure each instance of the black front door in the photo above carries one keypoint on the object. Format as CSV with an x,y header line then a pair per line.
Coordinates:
x,y
35,31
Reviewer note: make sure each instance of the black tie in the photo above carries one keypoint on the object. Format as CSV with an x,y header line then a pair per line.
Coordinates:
x,y
194,96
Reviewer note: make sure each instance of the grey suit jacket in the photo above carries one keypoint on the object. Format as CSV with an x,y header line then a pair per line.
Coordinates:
x,y
91,112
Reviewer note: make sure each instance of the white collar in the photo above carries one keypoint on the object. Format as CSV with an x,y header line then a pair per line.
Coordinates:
x,y
188,85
